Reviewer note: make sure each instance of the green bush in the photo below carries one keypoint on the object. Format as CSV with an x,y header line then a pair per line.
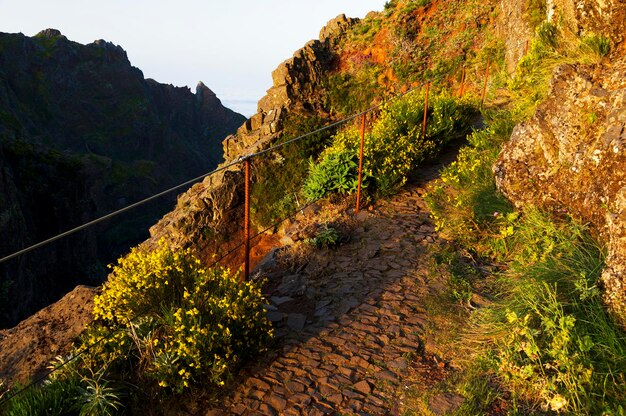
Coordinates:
x,y
597,44
326,237
548,35
396,145
336,173
177,321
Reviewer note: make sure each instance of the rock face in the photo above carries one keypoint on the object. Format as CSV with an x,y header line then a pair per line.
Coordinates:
x,y
583,17
572,156
214,207
297,88
82,133
514,29
575,16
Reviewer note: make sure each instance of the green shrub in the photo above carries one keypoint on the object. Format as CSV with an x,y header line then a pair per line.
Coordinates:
x,y
548,35
326,237
396,145
176,320
336,173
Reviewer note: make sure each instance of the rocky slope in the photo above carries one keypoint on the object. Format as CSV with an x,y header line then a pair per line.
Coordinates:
x,y
571,157
82,133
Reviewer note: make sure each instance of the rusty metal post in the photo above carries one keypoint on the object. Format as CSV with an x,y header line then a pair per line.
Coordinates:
x,y
425,110
526,48
462,82
246,220
486,79
358,189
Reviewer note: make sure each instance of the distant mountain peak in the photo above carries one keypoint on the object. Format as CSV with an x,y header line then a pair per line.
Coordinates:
x,y
49,33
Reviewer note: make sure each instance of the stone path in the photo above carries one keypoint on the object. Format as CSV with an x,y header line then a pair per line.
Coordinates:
x,y
347,343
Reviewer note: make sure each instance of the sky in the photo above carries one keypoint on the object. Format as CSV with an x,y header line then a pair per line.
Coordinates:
x,y
232,46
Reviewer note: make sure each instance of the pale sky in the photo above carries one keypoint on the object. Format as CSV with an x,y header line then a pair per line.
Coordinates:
x,y
230,45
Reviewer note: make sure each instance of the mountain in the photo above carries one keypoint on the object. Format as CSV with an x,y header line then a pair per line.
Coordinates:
x,y
553,73
82,133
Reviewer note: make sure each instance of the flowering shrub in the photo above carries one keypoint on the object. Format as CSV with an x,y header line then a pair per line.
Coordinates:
x,y
396,145
181,321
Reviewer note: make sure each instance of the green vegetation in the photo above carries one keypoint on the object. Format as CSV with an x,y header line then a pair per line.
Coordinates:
x,y
545,343
279,196
56,398
547,338
337,173
163,322
326,237
596,44
394,146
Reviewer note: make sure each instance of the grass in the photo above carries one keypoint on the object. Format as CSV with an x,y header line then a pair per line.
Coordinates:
x,y
52,399
546,344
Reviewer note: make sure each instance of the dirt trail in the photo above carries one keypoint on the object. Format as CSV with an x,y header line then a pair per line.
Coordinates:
x,y
361,334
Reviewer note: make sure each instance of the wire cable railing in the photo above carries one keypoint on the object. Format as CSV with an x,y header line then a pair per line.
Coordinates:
x,y
192,181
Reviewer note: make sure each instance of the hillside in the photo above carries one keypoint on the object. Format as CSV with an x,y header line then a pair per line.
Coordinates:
x,y
82,133
482,275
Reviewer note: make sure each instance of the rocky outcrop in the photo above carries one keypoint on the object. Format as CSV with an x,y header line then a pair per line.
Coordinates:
x,y
82,133
583,17
572,156
210,213
576,17
297,89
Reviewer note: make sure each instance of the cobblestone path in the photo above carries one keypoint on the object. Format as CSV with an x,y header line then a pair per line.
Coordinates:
x,y
347,343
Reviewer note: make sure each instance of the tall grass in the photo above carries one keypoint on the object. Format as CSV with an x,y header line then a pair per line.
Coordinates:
x,y
560,349
547,344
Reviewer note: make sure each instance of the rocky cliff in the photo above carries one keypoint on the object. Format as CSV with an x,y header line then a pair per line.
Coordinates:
x,y
211,212
82,133
571,157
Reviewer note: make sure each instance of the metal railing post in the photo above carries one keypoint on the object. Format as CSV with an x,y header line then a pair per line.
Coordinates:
x,y
482,99
246,226
462,82
526,48
358,189
425,110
